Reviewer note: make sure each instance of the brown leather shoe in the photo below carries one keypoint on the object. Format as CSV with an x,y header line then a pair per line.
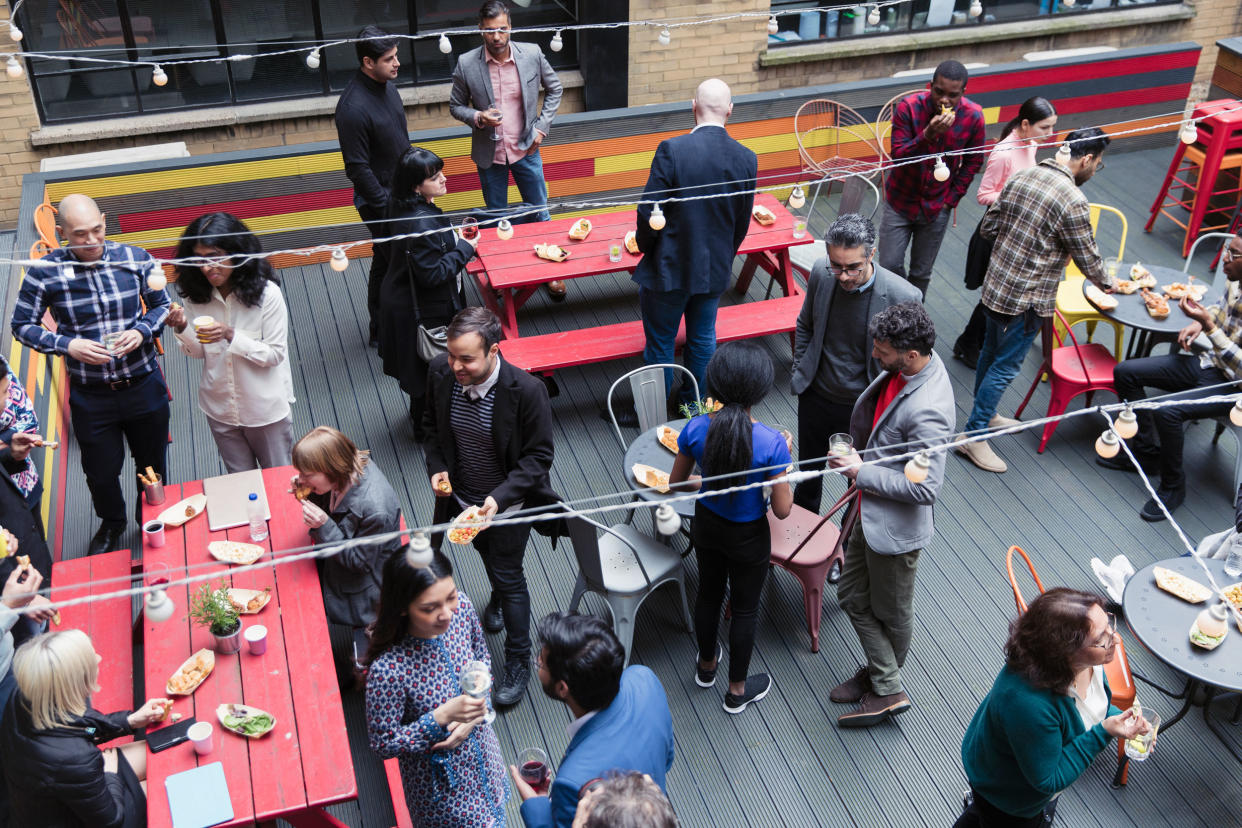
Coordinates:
x,y
852,689
873,709
557,290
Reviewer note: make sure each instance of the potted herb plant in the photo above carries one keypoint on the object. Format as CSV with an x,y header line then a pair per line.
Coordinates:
x,y
210,607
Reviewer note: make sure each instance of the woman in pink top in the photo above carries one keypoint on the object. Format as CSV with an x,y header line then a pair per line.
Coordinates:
x,y
1015,151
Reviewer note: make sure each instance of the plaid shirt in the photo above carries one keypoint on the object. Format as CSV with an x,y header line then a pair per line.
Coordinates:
x,y
89,300
1226,336
912,190
1039,222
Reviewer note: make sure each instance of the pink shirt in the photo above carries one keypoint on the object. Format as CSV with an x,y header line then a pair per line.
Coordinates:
x,y
1008,157
507,89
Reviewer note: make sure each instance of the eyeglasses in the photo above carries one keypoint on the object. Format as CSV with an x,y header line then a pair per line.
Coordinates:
x,y
852,270
1230,255
1112,632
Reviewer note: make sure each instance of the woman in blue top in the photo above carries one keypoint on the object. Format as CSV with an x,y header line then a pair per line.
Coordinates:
x,y
1048,715
731,535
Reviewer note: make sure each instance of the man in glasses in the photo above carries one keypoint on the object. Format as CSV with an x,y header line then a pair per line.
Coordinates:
x,y
1196,373
832,360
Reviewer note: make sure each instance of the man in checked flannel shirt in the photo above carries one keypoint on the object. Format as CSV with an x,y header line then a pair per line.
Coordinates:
x,y
1158,444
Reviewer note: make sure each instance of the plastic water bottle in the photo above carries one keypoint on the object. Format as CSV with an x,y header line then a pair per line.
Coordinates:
x,y
1233,561
258,523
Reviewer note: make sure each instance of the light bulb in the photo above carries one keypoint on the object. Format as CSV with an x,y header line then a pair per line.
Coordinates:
x,y
1069,4
1108,444
14,67
158,77
556,45
1126,424
667,521
157,280
312,59
657,218
15,34
418,554
1235,413
504,230
873,16
917,467
158,606
941,171
339,261
1063,154
665,37
1189,133
976,8
797,198
773,26
445,46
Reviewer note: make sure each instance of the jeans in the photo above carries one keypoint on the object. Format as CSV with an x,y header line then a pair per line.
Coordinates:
x,y
102,419
661,313
923,237
380,254
1005,343
818,419
877,593
527,175
502,549
735,555
1162,431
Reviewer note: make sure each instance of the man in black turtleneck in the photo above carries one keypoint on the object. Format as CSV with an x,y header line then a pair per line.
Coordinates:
x,y
371,129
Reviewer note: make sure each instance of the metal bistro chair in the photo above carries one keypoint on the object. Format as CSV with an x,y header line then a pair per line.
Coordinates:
x,y
884,129
854,197
650,396
833,139
45,224
1120,680
623,566
1070,300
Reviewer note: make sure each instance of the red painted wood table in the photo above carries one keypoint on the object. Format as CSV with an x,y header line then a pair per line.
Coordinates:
x,y
509,272
304,763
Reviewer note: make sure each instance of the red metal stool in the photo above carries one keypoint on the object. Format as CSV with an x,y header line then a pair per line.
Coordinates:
x,y
1220,133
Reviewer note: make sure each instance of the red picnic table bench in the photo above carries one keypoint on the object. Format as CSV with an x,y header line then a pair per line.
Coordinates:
x,y
303,764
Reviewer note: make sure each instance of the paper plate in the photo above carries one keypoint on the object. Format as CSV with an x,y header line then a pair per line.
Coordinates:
x,y
236,552
242,599
658,480
184,510
198,667
667,437
243,711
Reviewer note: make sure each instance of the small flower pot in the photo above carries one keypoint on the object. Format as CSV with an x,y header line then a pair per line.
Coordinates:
x,y
229,644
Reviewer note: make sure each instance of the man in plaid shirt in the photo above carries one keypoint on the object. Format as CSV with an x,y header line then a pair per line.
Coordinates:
x,y
94,289
1158,444
917,208
1040,222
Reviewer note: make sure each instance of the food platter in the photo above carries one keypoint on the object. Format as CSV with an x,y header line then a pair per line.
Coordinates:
x,y
184,510
668,437
191,673
245,720
466,526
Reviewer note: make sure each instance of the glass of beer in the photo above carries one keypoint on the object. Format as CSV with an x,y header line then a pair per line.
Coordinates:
x,y
840,444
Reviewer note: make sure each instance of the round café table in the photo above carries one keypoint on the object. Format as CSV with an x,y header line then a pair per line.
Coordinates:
x,y
1161,622
1131,311
648,449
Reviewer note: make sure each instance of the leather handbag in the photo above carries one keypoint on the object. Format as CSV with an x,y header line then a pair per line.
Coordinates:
x,y
431,342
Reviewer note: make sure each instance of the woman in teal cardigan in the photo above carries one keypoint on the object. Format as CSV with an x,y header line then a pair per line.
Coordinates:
x,y
1048,715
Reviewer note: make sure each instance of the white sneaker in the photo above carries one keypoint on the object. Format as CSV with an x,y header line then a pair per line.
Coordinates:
x,y
998,421
982,455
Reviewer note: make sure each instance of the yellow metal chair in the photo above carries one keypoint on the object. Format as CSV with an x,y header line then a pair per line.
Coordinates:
x,y
1070,301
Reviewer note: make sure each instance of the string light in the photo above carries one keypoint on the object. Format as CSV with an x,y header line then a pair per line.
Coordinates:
x,y
917,467
1189,133
312,60
556,45
504,230
15,34
418,553
158,607
1126,424
797,198
1235,413
1063,155
667,521
657,218
773,26
873,16
1108,444
445,45
941,171
14,67
158,77
976,8
157,280
665,37
339,261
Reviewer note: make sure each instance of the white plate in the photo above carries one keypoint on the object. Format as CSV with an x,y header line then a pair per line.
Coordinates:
x,y
243,597
184,510
640,474
209,663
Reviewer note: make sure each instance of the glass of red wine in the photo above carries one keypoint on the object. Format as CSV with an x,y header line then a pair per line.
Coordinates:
x,y
533,768
157,574
469,228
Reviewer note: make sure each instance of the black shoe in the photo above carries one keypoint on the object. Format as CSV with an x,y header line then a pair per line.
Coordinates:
x,y
493,617
513,685
1151,510
626,416
968,354
757,686
1121,462
556,290
707,678
107,539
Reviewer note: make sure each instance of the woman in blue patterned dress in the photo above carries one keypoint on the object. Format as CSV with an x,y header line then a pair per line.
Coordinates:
x,y
450,761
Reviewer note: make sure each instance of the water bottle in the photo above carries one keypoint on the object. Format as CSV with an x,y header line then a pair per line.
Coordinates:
x,y
258,523
1233,561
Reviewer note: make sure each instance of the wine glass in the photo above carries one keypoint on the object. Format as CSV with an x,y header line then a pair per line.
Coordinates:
x,y
469,227
476,682
533,768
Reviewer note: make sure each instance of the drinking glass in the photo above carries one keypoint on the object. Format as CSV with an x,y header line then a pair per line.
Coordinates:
x,y
469,227
1139,748
840,444
157,574
476,682
496,131
1110,265
614,252
533,768
110,339
799,227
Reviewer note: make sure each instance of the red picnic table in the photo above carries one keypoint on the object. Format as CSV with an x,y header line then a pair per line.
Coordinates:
x,y
304,763
509,272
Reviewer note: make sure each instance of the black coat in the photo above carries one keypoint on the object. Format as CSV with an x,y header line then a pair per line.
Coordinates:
x,y
56,777
15,515
432,262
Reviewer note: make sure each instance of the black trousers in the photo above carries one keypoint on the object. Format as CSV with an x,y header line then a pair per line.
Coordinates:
x,y
502,549
735,555
983,814
818,419
103,421
379,264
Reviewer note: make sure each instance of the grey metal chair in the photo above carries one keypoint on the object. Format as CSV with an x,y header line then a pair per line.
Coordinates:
x,y
650,396
623,566
854,199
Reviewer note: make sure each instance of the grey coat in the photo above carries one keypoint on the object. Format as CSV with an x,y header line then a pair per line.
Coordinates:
x,y
351,579
811,331
472,94
897,515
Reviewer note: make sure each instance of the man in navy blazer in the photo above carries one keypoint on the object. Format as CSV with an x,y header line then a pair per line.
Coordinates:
x,y
621,719
687,264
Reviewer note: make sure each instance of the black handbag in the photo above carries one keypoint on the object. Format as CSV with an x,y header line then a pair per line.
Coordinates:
x,y
429,342
978,254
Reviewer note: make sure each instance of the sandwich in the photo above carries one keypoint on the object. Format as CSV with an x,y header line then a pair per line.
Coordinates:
x,y
763,215
1157,305
1209,631
945,109
1142,275
1126,286
1178,584
580,229
301,491
631,242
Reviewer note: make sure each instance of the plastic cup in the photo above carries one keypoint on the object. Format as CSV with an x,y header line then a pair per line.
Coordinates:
x,y
202,736
534,769
153,534
202,322
110,339
256,639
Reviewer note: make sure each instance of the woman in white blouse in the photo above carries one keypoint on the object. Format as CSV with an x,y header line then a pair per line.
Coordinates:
x,y
246,386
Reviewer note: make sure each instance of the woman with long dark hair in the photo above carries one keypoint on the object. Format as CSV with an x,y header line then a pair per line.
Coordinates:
x,y
1048,715
731,535
235,320
424,280
425,632
1025,132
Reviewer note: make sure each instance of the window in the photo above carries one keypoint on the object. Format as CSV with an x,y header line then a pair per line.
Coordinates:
x,y
96,31
920,14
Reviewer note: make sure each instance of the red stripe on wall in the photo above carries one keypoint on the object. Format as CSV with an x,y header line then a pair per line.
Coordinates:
x,y
1174,93
1084,72
250,208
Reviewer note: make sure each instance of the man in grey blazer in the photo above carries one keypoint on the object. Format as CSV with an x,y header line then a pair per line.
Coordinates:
x,y
843,291
910,404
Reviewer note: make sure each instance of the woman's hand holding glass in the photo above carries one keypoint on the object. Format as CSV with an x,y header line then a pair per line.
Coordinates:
x,y
460,709
1126,724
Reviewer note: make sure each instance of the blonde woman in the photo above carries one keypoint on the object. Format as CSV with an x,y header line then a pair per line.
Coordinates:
x,y
55,773
346,496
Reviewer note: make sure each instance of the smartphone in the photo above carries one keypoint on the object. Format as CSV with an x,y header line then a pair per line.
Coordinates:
x,y
166,737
